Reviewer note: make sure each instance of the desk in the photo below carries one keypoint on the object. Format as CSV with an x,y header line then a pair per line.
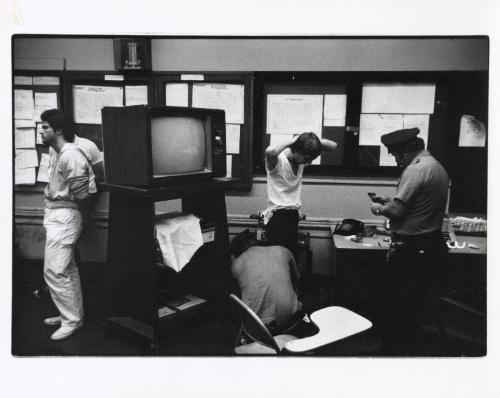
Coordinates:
x,y
356,265
369,243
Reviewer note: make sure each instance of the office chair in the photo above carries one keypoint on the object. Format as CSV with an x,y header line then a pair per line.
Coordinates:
x,y
334,324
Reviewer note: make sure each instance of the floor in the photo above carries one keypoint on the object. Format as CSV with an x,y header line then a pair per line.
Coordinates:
x,y
210,334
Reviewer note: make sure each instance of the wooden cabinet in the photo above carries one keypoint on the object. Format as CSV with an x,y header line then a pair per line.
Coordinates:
x,y
136,286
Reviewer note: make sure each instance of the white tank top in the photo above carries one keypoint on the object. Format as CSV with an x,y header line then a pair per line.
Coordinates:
x,y
283,186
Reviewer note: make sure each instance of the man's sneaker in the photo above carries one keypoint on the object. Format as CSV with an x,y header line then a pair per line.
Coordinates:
x,y
65,331
56,320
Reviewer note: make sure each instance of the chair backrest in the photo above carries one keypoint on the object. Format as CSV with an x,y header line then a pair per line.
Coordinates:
x,y
253,325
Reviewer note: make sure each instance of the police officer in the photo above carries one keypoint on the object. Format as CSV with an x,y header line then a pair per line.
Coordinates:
x,y
416,213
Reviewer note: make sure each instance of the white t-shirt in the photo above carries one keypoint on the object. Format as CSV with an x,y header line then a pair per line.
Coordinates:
x,y
283,186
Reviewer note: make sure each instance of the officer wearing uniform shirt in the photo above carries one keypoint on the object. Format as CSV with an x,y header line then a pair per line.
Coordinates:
x,y
418,248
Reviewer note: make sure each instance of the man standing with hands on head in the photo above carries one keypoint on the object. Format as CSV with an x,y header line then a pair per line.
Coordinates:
x,y
71,182
418,248
284,166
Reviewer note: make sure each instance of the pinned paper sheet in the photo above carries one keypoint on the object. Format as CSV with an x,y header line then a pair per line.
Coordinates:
x,y
24,123
89,100
472,132
372,127
46,80
179,238
43,169
228,97
25,138
229,166
294,114
385,158
23,80
233,138
398,98
24,105
25,176
38,134
136,95
335,110
176,94
26,158
44,101
420,121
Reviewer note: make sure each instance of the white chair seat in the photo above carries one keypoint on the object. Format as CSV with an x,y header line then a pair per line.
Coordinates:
x,y
260,349
334,323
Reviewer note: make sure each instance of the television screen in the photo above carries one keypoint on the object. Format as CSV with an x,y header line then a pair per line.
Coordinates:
x,y
178,145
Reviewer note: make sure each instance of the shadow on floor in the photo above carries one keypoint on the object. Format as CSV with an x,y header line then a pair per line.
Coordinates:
x,y
210,334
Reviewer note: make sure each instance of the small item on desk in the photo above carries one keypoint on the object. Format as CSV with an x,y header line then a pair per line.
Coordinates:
x,y
472,246
370,230
455,245
357,238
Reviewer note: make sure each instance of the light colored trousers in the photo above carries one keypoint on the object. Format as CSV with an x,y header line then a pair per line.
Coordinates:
x,y
63,227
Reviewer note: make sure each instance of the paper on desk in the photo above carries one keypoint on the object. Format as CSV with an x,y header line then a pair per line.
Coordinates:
x,y
179,238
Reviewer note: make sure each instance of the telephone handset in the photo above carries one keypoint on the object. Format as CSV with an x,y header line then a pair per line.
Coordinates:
x,y
349,226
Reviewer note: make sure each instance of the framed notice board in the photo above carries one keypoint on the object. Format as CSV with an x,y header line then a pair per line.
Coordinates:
x,y
289,103
232,92
355,108
34,92
85,93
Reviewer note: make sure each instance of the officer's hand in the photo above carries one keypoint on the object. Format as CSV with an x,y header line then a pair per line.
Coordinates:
x,y
376,208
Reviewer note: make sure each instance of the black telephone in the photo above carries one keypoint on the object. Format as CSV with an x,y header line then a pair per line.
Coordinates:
x,y
349,226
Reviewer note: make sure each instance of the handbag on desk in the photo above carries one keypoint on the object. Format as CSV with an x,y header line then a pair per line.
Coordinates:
x,y
349,226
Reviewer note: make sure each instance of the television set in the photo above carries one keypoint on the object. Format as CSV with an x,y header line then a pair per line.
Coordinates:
x,y
160,146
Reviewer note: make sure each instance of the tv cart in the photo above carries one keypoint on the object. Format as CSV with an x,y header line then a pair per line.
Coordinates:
x,y
137,286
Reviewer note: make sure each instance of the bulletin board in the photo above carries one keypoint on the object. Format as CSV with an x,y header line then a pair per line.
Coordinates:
x,y
232,92
324,99
436,102
290,104
86,93
40,90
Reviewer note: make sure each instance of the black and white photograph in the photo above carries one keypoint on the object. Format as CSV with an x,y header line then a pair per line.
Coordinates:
x,y
195,205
